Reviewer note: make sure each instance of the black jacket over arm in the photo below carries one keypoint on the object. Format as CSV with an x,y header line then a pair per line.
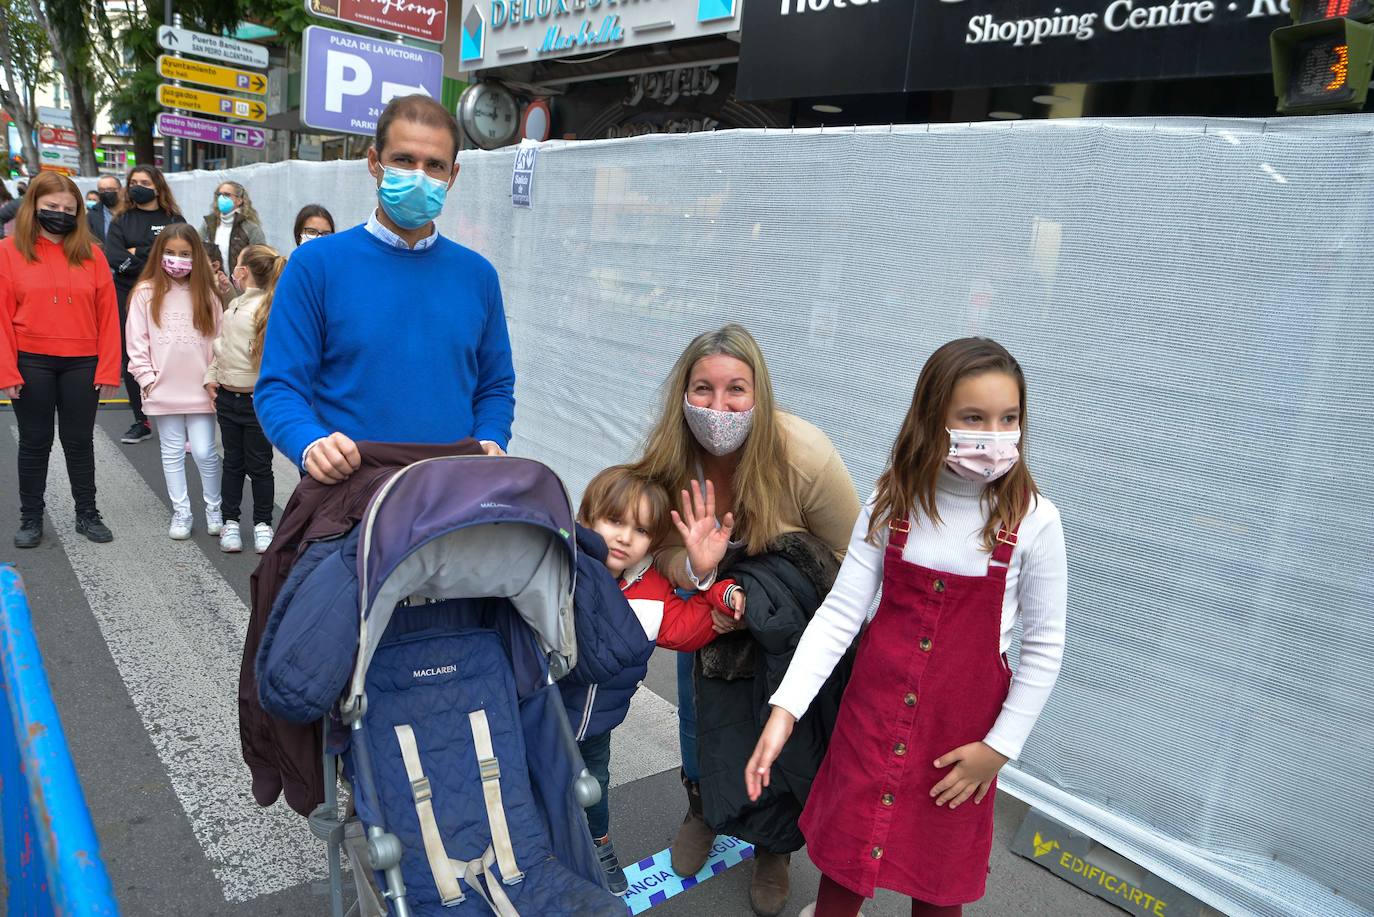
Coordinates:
x,y
737,674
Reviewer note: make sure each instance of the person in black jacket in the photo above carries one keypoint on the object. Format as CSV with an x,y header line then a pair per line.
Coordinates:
x,y
148,209
102,215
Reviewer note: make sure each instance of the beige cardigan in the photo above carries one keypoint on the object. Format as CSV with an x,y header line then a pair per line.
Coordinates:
x,y
233,364
822,500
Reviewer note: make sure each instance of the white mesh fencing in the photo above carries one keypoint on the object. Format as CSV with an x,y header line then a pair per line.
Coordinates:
x,y
1191,301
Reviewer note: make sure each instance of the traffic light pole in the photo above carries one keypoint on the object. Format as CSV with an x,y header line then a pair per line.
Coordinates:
x,y
167,141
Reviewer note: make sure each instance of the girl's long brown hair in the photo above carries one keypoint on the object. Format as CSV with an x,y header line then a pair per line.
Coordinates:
x,y
205,305
77,245
918,455
762,478
265,265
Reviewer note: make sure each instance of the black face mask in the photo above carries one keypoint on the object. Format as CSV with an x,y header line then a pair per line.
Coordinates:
x,y
57,222
141,195
110,199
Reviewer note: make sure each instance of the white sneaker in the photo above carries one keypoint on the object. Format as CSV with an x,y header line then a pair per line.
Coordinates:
x,y
214,521
230,541
262,537
180,529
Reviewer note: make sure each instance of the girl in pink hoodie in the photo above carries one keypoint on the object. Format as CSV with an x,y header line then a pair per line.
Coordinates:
x,y
174,317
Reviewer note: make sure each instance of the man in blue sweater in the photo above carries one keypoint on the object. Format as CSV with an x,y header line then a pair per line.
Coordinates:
x,y
388,331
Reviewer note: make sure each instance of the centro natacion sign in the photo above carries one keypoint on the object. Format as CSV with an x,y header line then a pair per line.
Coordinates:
x,y
499,33
841,47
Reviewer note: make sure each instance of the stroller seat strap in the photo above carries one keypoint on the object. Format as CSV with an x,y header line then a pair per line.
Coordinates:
x,y
445,876
491,790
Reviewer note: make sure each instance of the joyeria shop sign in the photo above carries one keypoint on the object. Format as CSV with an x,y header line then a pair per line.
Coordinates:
x,y
499,33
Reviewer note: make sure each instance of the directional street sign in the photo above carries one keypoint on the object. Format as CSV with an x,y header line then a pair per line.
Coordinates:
x,y
194,71
170,125
215,47
347,79
211,103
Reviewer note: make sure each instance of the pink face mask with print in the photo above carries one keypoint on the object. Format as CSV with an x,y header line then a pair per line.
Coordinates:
x,y
982,456
175,266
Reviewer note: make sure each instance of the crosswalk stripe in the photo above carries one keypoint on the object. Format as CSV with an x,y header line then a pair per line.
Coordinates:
x,y
175,629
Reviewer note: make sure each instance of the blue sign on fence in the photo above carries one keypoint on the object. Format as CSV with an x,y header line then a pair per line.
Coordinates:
x,y
348,79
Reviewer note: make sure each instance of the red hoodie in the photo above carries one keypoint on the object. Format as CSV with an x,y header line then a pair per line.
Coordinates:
x,y
49,307
671,621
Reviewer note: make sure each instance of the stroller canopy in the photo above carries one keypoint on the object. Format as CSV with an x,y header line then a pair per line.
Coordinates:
x,y
469,527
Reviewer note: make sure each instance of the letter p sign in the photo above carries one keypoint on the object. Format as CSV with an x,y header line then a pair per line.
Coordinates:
x,y
345,75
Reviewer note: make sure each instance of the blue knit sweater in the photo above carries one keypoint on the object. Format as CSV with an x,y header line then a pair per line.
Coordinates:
x,y
385,344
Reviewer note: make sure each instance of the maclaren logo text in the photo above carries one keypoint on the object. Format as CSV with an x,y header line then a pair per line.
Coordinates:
x,y
438,670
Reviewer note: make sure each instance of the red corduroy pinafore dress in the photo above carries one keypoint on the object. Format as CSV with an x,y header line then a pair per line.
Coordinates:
x,y
929,677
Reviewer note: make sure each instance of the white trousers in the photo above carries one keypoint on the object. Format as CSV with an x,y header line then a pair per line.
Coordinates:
x,y
173,432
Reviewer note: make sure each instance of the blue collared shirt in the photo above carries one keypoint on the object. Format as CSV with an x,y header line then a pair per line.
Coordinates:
x,y
375,227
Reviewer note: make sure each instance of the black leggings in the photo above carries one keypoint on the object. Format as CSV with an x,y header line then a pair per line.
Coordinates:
x,y
63,387
246,452
130,383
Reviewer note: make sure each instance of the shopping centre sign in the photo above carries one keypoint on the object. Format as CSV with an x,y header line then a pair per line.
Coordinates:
x,y
498,33
839,47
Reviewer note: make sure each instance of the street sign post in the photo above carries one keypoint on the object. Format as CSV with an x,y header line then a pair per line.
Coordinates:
x,y
211,103
215,47
170,125
427,19
347,79
194,71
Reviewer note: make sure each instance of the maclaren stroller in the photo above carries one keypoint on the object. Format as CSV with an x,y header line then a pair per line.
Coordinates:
x,y
438,625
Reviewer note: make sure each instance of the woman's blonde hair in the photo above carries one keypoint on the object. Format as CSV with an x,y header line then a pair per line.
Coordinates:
x,y
265,266
671,453
246,209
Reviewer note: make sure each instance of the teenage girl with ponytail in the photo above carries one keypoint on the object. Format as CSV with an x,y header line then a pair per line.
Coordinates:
x,y
964,546
230,380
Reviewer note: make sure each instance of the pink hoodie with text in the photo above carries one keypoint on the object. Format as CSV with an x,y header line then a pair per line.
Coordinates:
x,y
169,359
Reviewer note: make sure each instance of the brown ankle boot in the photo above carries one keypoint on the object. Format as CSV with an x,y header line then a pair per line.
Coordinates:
x,y
771,885
693,843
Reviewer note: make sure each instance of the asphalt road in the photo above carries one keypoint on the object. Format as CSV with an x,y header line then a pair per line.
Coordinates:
x,y
141,640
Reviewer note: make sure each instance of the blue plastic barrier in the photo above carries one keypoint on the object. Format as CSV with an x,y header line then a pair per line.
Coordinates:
x,y
52,857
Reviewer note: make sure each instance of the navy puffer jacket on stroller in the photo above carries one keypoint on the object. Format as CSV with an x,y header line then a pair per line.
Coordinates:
x,y
597,695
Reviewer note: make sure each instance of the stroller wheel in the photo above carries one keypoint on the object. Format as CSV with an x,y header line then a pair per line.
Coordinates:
x,y
383,851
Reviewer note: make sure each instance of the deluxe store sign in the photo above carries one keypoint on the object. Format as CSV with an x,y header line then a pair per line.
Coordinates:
x,y
797,48
499,33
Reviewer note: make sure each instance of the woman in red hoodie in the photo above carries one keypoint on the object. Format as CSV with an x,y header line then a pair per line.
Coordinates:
x,y
59,347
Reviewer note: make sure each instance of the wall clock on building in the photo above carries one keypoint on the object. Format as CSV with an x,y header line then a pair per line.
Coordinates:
x,y
489,115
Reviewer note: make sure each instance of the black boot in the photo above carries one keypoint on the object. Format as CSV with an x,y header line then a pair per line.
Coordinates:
x,y
93,527
30,533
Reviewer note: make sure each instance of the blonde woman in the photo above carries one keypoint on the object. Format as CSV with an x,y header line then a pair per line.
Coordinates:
x,y
232,224
748,473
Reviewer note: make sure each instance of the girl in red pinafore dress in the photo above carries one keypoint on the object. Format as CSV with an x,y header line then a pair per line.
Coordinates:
x,y
963,544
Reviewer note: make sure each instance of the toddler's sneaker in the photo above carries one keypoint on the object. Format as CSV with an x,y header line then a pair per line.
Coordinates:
x,y
262,537
180,529
230,541
615,876
214,521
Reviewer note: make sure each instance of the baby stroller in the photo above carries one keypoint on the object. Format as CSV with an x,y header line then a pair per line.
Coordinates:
x,y
447,612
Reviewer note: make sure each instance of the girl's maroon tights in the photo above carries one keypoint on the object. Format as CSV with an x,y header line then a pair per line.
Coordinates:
x,y
835,900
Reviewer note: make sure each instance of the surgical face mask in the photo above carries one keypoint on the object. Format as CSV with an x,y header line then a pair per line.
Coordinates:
x,y
57,222
225,203
141,195
176,266
91,205
718,432
982,456
110,199
410,197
